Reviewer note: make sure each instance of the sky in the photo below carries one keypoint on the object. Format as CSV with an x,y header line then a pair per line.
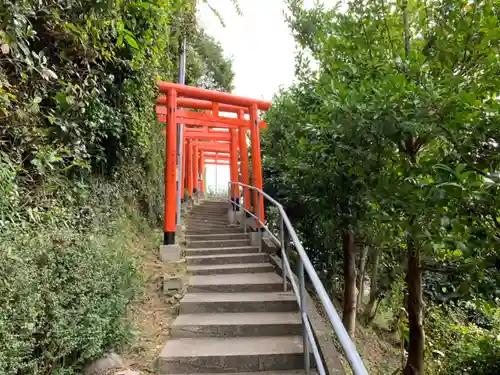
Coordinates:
x,y
258,42
261,47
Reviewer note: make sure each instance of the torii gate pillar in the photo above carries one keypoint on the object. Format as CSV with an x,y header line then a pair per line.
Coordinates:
x,y
258,199
170,250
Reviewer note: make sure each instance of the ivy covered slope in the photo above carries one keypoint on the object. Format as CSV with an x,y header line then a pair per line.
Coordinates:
x,y
386,154
81,166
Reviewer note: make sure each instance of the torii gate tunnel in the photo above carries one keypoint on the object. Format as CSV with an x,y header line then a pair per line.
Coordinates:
x,y
208,138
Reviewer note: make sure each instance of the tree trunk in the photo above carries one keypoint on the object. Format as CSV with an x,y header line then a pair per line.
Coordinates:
x,y
372,303
361,276
415,361
349,315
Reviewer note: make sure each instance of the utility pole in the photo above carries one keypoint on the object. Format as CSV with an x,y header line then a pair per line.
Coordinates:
x,y
180,131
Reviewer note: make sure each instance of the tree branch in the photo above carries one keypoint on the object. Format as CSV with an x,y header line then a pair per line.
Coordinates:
x,y
387,29
406,30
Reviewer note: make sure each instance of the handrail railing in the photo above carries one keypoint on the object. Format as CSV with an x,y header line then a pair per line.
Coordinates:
x,y
309,341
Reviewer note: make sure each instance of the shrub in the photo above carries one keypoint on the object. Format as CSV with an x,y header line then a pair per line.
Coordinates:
x,y
458,346
64,292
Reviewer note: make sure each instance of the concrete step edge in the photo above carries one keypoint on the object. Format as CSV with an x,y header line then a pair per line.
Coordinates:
x,y
223,256
208,347
281,372
226,248
230,266
210,241
258,318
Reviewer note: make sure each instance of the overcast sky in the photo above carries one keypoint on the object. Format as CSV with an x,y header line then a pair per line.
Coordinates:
x,y
260,45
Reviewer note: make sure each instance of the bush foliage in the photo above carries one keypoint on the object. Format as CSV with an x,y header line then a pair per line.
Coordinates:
x,y
64,292
81,166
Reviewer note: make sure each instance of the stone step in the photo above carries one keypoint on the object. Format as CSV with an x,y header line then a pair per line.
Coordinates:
x,y
226,259
282,372
218,243
217,210
217,237
237,324
207,223
209,202
208,217
222,250
211,207
220,269
207,220
221,230
208,228
204,214
223,355
195,303
236,283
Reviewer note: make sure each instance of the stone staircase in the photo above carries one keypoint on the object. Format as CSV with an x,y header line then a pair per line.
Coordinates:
x,y
235,317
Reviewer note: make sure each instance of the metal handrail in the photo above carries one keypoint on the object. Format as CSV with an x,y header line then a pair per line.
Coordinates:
x,y
352,355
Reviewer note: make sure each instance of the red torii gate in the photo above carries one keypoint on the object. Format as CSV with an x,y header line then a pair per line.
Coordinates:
x,y
193,173
199,147
181,96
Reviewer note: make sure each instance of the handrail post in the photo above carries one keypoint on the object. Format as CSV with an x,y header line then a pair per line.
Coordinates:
x,y
283,251
230,215
258,222
244,217
303,315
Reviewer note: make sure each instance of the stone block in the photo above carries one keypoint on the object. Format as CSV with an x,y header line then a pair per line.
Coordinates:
x,y
104,365
243,221
239,216
172,284
170,253
231,216
256,238
128,372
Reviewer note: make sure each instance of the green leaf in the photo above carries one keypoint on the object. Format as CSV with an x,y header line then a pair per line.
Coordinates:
x,y
131,41
119,41
445,221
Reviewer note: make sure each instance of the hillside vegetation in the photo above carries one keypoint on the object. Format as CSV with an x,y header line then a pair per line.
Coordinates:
x,y
81,166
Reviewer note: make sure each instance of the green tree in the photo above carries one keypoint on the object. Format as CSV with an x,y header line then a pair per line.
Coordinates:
x,y
403,102
216,71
